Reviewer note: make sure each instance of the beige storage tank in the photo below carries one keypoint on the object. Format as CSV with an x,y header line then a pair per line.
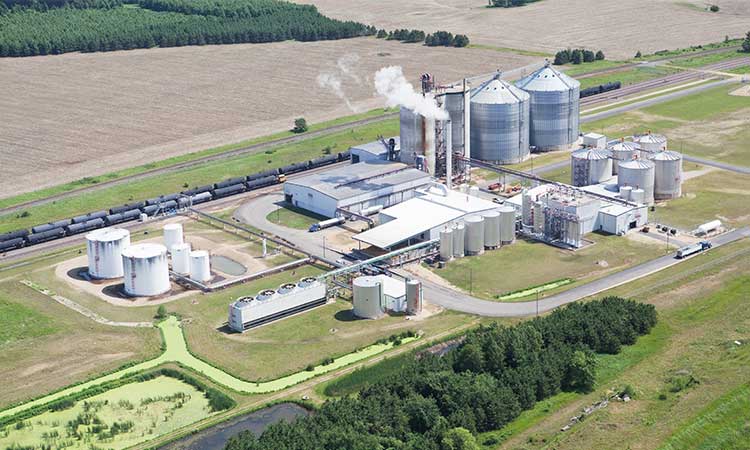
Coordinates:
x,y
146,272
491,229
369,298
638,173
446,244
651,142
667,175
172,235
623,151
413,297
181,258
474,243
459,237
507,224
590,166
104,249
200,266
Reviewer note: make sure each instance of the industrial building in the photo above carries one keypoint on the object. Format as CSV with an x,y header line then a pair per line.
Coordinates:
x,y
355,187
374,296
376,150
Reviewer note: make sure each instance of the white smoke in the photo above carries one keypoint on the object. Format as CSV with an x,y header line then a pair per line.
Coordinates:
x,y
391,84
346,65
333,79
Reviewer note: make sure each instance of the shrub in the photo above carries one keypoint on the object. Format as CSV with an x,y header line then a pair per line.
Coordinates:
x,y
600,55
300,125
161,312
460,40
638,54
714,8
746,43
381,34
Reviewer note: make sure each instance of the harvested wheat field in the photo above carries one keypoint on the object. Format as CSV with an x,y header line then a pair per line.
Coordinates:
x,y
620,28
70,116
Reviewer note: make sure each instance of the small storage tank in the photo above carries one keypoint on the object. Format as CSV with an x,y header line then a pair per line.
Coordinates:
x,y
413,297
500,123
104,249
491,229
667,175
181,258
146,272
172,235
626,192
474,243
507,224
638,196
200,266
623,151
459,237
554,110
651,142
590,166
538,217
446,244
369,298
638,173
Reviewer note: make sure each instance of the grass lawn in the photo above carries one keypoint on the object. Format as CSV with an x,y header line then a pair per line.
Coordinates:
x,y
293,217
527,263
629,76
742,70
18,321
575,70
704,60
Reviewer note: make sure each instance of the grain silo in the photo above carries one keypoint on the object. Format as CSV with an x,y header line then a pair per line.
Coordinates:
x,y
623,151
413,297
500,123
446,244
146,272
474,243
554,110
667,175
507,224
172,235
200,266
181,258
651,142
638,173
459,237
104,249
590,166
369,297
411,135
491,229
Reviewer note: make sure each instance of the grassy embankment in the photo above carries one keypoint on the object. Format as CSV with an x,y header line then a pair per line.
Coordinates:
x,y
293,217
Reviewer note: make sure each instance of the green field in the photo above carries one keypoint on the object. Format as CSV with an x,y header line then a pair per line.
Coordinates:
x,y
293,217
628,76
704,60
18,322
142,411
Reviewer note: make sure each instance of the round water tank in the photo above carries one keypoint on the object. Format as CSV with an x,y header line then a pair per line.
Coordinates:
x,y
507,224
474,243
459,235
146,272
651,142
413,297
554,110
369,299
172,235
491,229
500,123
104,249
181,258
590,166
638,173
626,192
667,175
623,151
446,244
200,266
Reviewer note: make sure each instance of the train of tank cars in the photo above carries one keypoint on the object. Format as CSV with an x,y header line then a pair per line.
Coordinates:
x,y
166,203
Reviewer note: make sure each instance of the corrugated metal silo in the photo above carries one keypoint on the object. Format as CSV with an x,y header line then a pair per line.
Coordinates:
x,y
667,175
369,298
638,173
507,224
590,166
446,244
474,235
623,151
413,297
104,249
454,101
459,237
411,135
651,142
491,229
500,123
554,111
146,272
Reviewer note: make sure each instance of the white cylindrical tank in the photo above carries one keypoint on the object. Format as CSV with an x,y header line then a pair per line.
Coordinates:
x,y
638,173
146,271
638,196
413,297
474,191
507,224
200,266
626,192
590,166
708,227
651,142
104,249
459,237
181,258
172,235
369,298
446,244
623,151
491,229
474,243
667,175
538,217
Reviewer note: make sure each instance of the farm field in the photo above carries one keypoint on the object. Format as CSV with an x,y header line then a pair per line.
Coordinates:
x,y
552,25
100,112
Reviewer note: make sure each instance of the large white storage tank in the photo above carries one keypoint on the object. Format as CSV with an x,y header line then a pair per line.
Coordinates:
x,y
638,174
146,272
667,175
459,238
507,224
590,166
181,258
104,249
172,235
623,151
500,123
200,266
446,244
413,297
474,235
369,298
554,112
651,142
491,229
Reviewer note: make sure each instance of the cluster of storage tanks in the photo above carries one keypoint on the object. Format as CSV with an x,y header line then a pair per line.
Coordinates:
x,y
505,121
369,297
478,233
144,267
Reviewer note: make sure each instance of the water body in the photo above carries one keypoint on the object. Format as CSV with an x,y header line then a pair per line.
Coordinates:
x,y
228,265
216,437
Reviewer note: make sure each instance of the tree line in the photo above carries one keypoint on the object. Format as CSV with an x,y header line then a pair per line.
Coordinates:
x,y
442,402
577,56
439,38
509,3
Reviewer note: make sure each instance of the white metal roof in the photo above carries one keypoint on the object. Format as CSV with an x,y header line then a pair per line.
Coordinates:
x,y
146,250
497,91
547,79
391,287
376,147
594,135
107,234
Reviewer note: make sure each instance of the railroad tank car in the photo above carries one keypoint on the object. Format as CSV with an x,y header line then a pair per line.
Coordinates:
x,y
44,236
263,174
126,207
229,182
229,190
13,235
162,199
197,190
77,228
89,216
201,198
261,182
50,226
12,244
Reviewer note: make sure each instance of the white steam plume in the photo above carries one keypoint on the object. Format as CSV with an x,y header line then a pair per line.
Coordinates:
x,y
391,84
333,82
332,79
346,65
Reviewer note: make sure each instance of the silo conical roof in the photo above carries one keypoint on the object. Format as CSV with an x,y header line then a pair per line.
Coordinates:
x,y
498,91
637,164
625,146
591,154
650,139
547,79
666,155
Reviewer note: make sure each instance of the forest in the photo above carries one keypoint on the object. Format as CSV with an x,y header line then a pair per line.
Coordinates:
x,y
40,27
442,402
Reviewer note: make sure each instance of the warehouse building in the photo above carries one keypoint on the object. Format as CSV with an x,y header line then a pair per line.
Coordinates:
x,y
355,187
375,150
